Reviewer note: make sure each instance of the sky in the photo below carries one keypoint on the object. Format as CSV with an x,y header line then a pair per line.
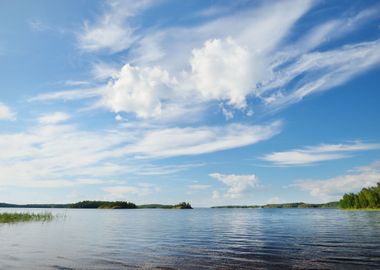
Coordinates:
x,y
211,102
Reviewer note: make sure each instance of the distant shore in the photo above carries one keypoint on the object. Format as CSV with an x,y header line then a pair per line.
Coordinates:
x,y
285,205
100,205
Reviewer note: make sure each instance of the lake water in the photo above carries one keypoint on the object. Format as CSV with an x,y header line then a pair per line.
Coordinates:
x,y
194,239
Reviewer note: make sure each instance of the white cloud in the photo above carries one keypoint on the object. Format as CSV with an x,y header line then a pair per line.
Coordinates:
x,y
65,154
169,142
215,195
112,31
236,184
333,188
274,200
180,71
76,83
69,95
321,71
54,118
6,113
199,187
142,189
222,70
138,90
314,154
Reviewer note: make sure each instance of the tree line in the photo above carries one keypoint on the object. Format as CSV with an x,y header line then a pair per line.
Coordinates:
x,y
366,198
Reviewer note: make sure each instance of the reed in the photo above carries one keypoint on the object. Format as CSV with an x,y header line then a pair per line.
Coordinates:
x,y
25,217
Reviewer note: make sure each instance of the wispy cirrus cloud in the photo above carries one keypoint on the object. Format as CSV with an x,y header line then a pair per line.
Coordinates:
x,y
112,31
199,187
142,189
333,188
67,156
314,154
54,118
171,142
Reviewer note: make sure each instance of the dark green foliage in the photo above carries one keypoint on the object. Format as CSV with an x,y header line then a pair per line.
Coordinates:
x,y
103,205
367,198
155,206
183,205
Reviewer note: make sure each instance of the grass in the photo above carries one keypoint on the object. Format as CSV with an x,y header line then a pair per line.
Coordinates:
x,y
25,217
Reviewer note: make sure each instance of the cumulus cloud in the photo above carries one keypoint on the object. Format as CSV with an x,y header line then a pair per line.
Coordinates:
x,y
54,118
6,113
333,188
223,70
236,184
314,154
139,91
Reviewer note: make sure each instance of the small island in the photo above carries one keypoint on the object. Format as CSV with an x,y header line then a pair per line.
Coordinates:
x,y
366,199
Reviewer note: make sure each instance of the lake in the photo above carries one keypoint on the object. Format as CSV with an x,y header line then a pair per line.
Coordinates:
x,y
194,239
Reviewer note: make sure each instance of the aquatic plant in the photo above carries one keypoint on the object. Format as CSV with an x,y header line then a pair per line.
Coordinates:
x,y
25,217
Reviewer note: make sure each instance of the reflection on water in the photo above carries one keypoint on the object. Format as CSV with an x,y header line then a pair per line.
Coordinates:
x,y
194,239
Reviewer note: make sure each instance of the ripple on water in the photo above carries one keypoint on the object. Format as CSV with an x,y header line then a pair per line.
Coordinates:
x,y
197,239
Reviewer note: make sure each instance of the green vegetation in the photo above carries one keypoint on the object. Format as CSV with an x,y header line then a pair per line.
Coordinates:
x,y
155,206
285,205
183,205
24,217
367,198
103,205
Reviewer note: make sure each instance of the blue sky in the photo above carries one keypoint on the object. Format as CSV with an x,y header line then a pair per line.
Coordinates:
x,y
211,102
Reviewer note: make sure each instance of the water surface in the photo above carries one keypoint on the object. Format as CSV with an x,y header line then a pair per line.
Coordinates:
x,y
194,239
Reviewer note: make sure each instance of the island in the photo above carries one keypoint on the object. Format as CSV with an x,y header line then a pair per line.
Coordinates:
x,y
366,199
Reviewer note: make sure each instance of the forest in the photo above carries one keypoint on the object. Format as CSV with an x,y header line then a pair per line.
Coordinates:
x,y
367,198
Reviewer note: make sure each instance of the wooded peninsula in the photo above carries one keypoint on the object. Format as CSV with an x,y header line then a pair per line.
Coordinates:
x,y
366,199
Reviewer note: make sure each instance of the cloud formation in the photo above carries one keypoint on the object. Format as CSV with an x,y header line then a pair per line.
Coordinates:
x,y
313,154
333,188
112,31
236,184
6,113
67,156
143,189
249,55
54,118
